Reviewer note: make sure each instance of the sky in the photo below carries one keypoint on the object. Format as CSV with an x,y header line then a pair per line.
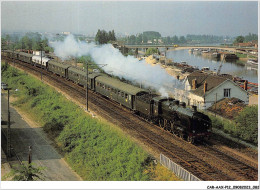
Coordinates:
x,y
231,18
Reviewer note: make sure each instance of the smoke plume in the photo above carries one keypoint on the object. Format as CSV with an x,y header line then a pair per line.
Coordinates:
x,y
128,67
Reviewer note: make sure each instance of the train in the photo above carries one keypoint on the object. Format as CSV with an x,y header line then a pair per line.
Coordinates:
x,y
168,113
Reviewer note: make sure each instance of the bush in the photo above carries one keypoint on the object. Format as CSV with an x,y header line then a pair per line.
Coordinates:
x,y
247,124
151,51
216,123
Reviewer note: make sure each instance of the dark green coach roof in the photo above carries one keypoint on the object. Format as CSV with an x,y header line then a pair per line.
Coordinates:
x,y
25,54
78,71
11,51
93,75
8,51
115,83
62,65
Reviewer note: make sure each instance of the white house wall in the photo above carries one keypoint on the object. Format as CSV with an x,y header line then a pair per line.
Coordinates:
x,y
192,99
235,91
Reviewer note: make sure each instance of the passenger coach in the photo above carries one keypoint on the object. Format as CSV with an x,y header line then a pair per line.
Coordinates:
x,y
77,75
114,89
25,57
58,68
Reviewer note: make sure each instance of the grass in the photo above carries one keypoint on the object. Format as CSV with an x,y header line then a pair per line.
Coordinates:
x,y
94,149
241,55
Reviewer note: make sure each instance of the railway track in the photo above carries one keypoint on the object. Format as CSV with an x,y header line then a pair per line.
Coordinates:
x,y
242,169
152,136
243,154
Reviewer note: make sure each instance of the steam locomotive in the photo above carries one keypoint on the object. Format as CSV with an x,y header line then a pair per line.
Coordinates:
x,y
168,113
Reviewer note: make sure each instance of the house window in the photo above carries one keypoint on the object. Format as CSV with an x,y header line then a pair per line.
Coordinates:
x,y
227,93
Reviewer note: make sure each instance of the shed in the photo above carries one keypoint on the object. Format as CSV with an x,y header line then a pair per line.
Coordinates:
x,y
37,59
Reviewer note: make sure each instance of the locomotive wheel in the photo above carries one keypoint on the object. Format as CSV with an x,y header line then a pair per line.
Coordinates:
x,y
190,140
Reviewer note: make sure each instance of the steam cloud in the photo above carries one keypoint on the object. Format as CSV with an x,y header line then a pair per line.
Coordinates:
x,y
127,67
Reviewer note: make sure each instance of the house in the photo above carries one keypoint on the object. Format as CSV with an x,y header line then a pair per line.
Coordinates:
x,y
203,90
248,44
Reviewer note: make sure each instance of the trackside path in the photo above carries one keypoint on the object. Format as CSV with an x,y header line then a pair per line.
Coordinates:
x,y
24,135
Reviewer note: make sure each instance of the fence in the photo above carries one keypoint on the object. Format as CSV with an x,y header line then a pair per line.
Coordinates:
x,y
178,170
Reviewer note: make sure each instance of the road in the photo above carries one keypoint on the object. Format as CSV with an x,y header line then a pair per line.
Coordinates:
x,y
43,154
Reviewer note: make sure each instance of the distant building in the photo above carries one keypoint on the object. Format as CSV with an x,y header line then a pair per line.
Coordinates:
x,y
149,42
203,90
160,41
66,33
249,44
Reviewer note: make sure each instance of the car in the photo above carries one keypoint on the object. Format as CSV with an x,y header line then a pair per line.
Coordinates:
x,y
4,86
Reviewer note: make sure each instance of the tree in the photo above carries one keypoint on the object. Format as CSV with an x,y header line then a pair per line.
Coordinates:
x,y
251,37
98,36
175,39
139,39
168,40
3,43
145,38
102,37
151,51
247,123
26,172
111,36
182,40
239,39
132,39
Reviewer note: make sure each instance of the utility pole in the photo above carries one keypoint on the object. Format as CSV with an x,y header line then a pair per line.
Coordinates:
x,y
13,54
30,155
8,127
41,61
87,89
216,104
87,64
29,163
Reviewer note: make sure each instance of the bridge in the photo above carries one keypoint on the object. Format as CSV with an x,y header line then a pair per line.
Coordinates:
x,y
234,49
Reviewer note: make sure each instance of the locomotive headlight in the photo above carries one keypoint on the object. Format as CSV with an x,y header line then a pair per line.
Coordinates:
x,y
193,131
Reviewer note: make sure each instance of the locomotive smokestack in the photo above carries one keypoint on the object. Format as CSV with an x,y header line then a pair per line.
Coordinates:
x,y
194,84
205,87
245,85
